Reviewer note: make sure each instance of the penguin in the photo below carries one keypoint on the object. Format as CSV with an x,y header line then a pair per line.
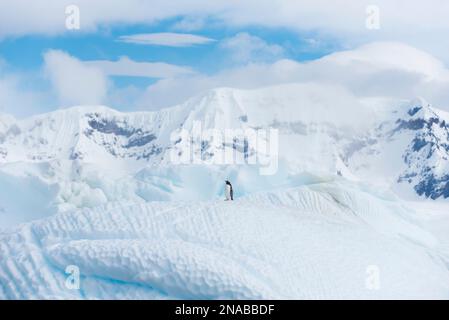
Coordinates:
x,y
229,193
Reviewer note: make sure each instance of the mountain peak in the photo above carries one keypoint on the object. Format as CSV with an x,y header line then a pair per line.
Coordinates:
x,y
412,143
426,130
81,110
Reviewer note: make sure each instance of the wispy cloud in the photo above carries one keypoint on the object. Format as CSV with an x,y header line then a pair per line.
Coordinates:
x,y
245,47
166,39
127,67
366,72
189,24
73,81
16,95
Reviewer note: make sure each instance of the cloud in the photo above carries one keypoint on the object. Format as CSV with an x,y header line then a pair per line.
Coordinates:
x,y
68,81
245,47
127,67
348,16
16,99
166,39
189,24
249,76
74,82
391,55
421,24
344,19
378,70
17,96
387,69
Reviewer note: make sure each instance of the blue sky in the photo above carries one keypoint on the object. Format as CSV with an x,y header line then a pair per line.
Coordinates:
x,y
26,54
45,66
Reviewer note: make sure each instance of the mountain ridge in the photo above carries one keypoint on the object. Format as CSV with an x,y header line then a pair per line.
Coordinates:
x,y
94,154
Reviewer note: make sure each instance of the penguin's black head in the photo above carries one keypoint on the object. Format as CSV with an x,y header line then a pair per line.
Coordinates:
x,y
227,182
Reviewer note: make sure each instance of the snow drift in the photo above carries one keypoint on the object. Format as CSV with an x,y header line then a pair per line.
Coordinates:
x,y
312,242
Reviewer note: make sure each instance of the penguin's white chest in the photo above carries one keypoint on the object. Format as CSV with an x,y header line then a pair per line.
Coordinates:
x,y
228,192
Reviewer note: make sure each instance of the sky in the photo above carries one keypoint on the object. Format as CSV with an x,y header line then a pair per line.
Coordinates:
x,y
147,55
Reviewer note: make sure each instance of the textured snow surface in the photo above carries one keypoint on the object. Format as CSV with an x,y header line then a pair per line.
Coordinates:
x,y
316,241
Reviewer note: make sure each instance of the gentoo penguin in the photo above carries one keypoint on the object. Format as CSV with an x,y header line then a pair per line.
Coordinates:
x,y
229,193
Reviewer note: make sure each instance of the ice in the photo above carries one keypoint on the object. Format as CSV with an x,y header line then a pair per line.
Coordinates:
x,y
96,188
21,196
318,241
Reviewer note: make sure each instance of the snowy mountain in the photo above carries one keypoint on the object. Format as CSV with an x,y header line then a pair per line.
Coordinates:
x,y
6,122
412,148
403,146
427,156
85,133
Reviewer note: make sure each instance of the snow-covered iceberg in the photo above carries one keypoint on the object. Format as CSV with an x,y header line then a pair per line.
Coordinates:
x,y
321,241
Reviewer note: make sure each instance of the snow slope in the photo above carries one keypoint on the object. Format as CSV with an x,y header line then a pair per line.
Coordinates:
x,y
317,241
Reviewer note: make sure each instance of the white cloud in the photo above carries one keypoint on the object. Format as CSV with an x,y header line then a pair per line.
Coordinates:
x,y
17,96
77,82
188,24
391,55
166,39
74,82
47,16
249,76
385,69
415,21
245,47
15,99
127,67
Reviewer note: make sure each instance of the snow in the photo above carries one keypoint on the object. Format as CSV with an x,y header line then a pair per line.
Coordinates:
x,y
359,142
6,121
96,188
313,242
21,196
